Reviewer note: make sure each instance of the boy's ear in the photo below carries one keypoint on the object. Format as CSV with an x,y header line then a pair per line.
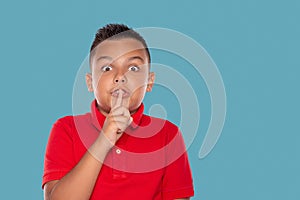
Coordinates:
x,y
151,79
89,82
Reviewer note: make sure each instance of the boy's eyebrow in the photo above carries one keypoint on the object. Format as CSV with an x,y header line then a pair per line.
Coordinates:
x,y
104,57
136,57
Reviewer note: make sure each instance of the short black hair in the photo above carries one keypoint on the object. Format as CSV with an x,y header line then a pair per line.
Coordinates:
x,y
117,31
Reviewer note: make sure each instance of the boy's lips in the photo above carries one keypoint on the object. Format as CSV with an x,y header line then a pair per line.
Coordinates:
x,y
115,93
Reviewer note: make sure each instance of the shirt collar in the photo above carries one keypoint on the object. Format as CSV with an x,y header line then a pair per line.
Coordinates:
x,y
98,118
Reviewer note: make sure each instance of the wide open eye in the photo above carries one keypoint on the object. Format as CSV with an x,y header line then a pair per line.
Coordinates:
x,y
106,68
133,68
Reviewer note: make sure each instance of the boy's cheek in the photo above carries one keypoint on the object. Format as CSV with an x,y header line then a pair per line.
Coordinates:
x,y
100,80
137,80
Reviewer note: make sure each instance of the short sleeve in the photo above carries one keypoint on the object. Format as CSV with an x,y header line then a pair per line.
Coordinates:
x,y
177,180
59,156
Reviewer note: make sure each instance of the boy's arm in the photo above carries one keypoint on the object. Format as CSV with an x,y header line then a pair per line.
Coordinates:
x,y
80,181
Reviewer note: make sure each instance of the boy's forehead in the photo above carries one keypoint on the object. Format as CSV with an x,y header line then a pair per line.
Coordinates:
x,y
120,47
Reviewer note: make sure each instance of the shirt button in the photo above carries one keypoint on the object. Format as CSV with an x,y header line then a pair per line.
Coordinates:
x,y
118,151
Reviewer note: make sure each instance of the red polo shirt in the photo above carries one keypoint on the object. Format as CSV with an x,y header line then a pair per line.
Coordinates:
x,y
149,161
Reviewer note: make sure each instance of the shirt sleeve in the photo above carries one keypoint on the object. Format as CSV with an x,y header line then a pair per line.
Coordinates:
x,y
59,156
177,180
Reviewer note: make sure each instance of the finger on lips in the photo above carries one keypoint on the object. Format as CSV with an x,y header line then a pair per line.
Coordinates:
x,y
119,99
120,113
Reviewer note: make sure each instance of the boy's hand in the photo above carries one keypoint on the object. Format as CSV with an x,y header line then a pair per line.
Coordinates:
x,y
116,121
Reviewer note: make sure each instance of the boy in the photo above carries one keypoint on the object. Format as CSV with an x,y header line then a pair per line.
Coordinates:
x,y
117,152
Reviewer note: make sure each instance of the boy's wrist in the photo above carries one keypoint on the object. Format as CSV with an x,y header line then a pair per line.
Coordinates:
x,y
101,147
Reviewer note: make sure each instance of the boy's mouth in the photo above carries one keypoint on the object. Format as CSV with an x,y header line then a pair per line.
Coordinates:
x,y
115,93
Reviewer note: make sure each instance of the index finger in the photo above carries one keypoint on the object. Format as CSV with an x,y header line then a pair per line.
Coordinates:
x,y
119,99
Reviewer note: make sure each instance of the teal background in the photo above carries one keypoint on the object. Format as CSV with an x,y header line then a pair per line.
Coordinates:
x,y
255,45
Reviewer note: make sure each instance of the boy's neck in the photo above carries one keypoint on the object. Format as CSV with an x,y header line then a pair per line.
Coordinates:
x,y
105,113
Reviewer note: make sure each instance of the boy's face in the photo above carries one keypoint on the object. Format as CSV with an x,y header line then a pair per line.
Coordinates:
x,y
119,66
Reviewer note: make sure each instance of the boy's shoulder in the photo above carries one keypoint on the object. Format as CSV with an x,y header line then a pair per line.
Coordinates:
x,y
147,119
70,120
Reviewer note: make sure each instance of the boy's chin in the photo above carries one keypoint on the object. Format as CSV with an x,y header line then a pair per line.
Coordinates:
x,y
105,109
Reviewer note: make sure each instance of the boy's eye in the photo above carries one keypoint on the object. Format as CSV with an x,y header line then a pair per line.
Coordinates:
x,y
133,68
106,68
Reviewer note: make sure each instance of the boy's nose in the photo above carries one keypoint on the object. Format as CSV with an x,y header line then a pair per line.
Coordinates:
x,y
120,79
